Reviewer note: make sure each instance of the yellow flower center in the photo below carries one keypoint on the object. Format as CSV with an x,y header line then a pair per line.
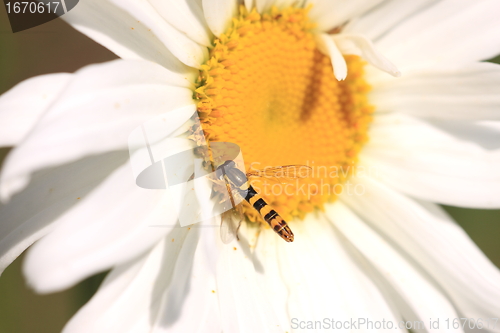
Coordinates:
x,y
267,88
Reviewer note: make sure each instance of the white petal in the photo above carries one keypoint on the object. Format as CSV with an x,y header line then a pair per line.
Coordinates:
x,y
248,4
424,299
184,48
360,45
282,3
468,92
127,299
31,214
24,104
301,281
200,299
452,31
482,133
334,274
187,17
191,292
114,223
122,301
99,108
362,297
493,125
219,13
161,292
443,131
136,31
386,16
438,244
244,305
328,14
270,276
122,33
265,5
424,161
328,47
312,294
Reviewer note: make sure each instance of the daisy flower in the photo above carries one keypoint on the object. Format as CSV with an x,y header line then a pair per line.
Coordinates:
x,y
290,82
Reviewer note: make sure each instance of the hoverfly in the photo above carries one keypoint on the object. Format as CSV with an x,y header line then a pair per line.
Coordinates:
x,y
238,185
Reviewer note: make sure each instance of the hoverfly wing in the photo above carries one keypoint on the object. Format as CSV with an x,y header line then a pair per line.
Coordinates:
x,y
227,231
286,171
229,224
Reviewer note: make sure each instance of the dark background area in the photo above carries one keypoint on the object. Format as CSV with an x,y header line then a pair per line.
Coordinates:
x,y
56,47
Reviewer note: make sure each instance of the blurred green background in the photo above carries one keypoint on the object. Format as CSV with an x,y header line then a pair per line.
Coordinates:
x,y
55,47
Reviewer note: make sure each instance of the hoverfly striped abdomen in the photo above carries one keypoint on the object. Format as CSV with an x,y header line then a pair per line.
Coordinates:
x,y
272,217
238,181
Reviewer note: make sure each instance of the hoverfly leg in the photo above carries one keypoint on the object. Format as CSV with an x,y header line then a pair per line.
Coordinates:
x,y
237,229
239,211
230,193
